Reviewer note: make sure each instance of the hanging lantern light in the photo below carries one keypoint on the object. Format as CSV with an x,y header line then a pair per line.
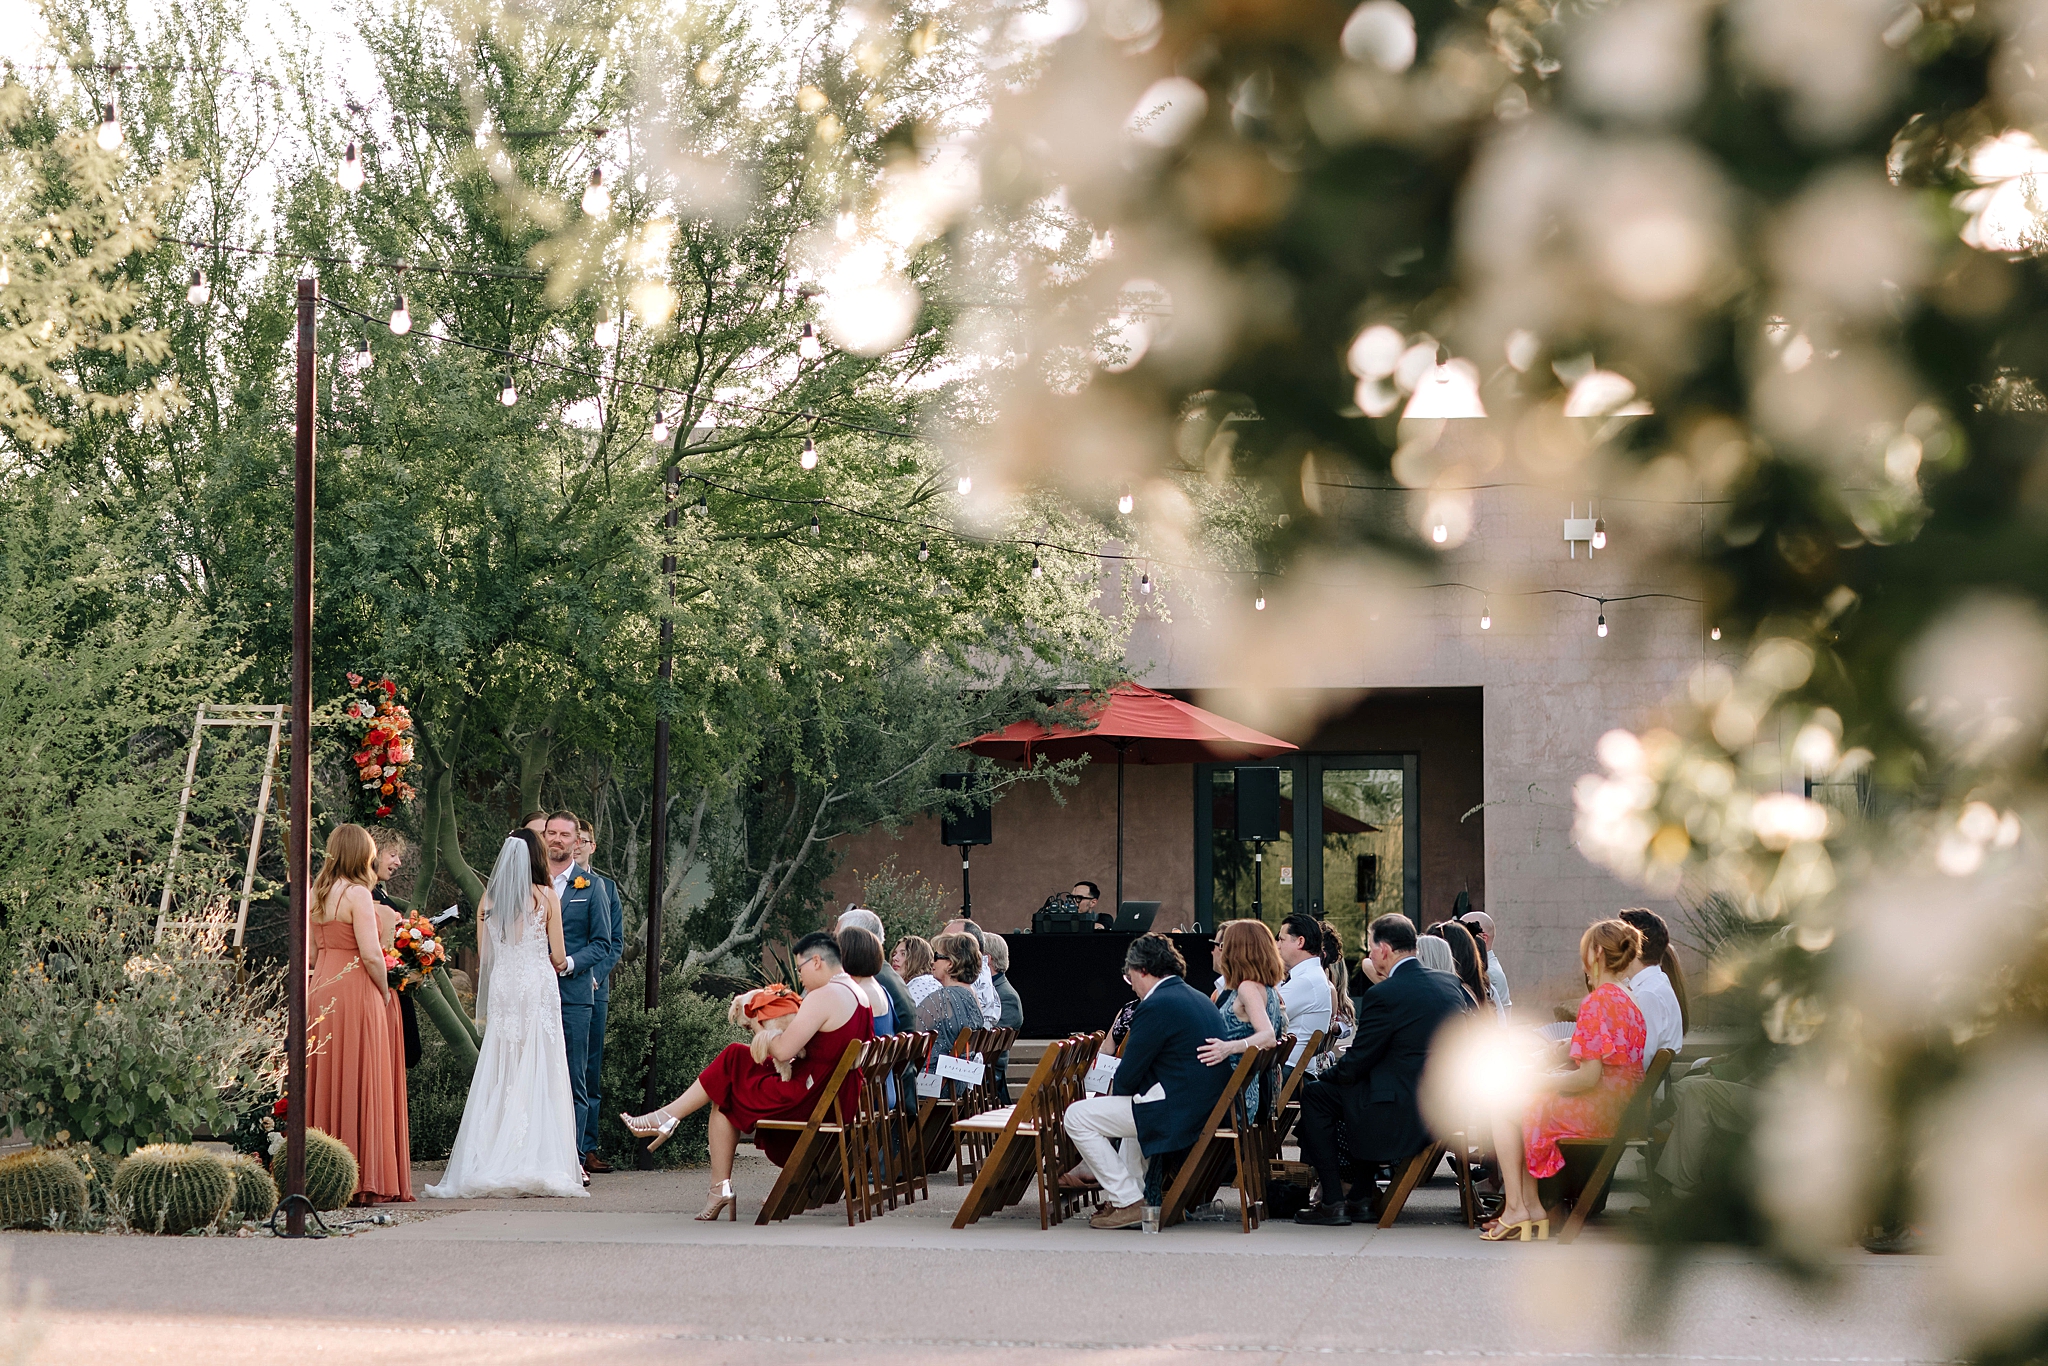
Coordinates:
x,y
597,200
350,174
196,293
808,347
508,393
401,317
109,134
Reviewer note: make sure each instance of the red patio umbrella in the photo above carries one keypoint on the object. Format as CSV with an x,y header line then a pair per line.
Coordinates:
x,y
1133,723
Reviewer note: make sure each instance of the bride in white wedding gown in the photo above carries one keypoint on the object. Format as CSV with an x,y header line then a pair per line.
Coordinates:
x,y
518,1134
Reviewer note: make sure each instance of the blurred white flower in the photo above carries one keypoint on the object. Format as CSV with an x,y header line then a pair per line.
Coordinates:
x,y
1783,819
1849,243
868,316
1603,393
1167,112
1620,752
1977,680
1381,32
1815,1142
1644,59
2007,208
1477,1069
1828,56
1989,1231
1375,352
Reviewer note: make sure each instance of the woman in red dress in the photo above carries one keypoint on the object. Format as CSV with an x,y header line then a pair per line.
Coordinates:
x,y
742,1092
1585,1102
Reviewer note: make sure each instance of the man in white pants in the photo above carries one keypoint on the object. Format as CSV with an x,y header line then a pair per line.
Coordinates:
x,y
1162,1093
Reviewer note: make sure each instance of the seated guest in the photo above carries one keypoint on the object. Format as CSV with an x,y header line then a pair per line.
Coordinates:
x,y
1306,992
997,950
1656,981
1120,1028
742,1092
1344,1010
1247,998
901,1008
1585,1102
1465,959
1162,1093
1481,926
984,985
1434,954
1368,1096
860,954
915,967
956,960
1719,1099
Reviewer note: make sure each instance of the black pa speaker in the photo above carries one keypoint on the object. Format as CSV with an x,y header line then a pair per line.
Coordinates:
x,y
972,827
1258,804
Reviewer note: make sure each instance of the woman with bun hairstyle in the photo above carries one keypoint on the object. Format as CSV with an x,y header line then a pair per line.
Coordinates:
x,y
1585,1101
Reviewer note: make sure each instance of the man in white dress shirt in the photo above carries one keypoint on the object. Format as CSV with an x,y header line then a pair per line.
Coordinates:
x,y
1663,1019
985,985
1305,991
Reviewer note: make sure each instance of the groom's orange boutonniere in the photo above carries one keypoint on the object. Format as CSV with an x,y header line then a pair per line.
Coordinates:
x,y
580,883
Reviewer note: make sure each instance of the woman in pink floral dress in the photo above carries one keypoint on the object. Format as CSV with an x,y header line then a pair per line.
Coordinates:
x,y
1585,1102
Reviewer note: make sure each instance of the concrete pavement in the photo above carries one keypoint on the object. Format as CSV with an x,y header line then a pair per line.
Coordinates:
x,y
628,1277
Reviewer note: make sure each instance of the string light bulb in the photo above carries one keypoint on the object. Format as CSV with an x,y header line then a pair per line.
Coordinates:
x,y
1601,629
401,317
1259,602
1037,569
924,552
814,524
1125,503
1714,634
508,393
1599,533
597,200
606,331
659,432
965,483
808,347
809,458
196,293
109,134
350,175
1485,617
1145,584
1439,533
703,508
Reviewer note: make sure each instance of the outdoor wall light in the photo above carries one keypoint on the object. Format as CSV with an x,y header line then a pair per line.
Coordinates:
x,y
350,174
1591,532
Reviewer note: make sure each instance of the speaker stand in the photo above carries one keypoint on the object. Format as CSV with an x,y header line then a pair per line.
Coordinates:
x,y
966,897
1258,879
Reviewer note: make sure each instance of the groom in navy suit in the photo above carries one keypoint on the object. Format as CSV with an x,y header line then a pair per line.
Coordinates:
x,y
592,940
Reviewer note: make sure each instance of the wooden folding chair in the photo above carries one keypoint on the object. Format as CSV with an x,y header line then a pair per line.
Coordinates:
x,y
815,1173
1020,1138
971,1144
905,1157
1280,1115
935,1114
1634,1128
1220,1144
1412,1174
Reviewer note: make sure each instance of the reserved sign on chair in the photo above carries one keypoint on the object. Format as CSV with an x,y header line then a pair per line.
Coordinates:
x,y
1101,1074
968,1070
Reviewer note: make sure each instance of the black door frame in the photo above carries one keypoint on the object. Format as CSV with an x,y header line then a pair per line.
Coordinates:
x,y
1308,772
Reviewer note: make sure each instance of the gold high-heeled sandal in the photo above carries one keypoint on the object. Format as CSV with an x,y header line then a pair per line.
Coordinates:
x,y
722,1199
659,1125
1503,1231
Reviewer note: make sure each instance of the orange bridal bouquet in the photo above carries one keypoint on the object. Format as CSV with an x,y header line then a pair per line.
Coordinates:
x,y
418,949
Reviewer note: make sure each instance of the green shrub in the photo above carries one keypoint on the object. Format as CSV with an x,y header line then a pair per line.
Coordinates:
x,y
174,1188
109,1040
42,1189
97,1166
255,1193
435,1091
908,903
693,1029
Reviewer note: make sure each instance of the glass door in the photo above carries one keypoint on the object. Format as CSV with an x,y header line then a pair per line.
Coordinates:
x,y
1349,848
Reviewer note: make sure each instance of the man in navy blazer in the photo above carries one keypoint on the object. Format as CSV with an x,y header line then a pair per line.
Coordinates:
x,y
592,941
1369,1095
600,1009
1162,1093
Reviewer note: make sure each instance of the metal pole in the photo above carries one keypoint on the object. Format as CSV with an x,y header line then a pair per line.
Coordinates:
x,y
1118,909
1258,879
657,858
298,854
966,899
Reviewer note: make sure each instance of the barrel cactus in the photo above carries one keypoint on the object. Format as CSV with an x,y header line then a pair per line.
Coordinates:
x,y
41,1188
330,1170
174,1188
255,1192
97,1166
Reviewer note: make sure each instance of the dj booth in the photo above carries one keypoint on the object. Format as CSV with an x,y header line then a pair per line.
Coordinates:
x,y
1073,983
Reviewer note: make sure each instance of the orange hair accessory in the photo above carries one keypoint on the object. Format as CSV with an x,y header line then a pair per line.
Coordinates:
x,y
772,1001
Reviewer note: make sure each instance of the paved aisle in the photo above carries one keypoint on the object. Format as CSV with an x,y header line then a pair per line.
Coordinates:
x,y
627,1278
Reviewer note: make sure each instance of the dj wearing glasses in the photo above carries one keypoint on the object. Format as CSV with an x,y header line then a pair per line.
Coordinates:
x,y
1088,897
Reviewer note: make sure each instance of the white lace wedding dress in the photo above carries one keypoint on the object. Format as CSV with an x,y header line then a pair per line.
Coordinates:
x,y
518,1134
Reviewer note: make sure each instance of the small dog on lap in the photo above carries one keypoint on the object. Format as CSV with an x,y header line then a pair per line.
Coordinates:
x,y
764,1013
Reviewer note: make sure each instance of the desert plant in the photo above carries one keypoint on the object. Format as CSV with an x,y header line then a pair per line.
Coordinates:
x,y
331,1171
97,1166
255,1193
111,1039
908,903
41,1188
174,1188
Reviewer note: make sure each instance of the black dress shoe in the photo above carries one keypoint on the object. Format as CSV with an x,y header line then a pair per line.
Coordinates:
x,y
1362,1211
1330,1216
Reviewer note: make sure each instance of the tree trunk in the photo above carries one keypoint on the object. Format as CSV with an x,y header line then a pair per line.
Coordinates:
x,y
534,753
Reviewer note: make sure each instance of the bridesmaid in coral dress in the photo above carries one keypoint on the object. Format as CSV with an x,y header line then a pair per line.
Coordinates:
x,y
355,1040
